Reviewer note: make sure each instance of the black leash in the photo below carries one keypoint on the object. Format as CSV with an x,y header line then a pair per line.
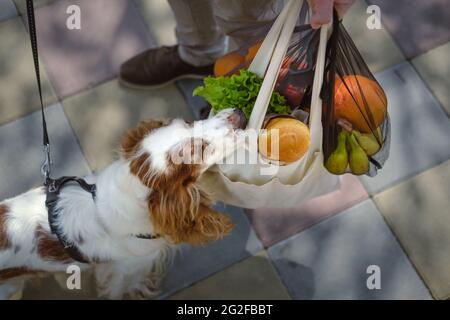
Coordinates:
x,y
45,169
53,186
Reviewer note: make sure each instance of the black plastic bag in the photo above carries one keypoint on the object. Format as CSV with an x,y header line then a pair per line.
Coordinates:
x,y
353,100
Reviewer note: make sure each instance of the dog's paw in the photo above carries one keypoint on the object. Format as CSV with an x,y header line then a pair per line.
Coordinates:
x,y
143,292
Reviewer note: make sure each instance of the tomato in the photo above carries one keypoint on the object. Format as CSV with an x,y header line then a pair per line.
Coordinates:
x,y
294,95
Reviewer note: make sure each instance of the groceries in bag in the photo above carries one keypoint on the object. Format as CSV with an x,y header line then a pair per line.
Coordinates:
x,y
354,105
292,45
291,143
238,91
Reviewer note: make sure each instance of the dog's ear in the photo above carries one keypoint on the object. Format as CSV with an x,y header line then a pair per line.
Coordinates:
x,y
183,217
132,138
179,209
140,164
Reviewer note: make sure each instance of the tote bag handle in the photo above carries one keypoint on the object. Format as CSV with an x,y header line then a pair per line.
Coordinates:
x,y
270,57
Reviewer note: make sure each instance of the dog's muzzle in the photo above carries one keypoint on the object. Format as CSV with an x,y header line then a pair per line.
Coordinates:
x,y
237,119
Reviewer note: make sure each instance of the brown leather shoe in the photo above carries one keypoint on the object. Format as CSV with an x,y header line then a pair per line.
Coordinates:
x,y
157,67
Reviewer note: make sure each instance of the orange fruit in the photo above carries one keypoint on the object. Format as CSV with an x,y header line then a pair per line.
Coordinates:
x,y
252,51
228,63
293,139
354,108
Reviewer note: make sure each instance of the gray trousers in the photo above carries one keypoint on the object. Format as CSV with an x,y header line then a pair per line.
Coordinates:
x,y
202,25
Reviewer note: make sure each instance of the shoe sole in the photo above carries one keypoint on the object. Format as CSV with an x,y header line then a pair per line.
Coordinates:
x,y
156,86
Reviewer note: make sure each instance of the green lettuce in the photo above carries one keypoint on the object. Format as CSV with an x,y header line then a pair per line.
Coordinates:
x,y
238,91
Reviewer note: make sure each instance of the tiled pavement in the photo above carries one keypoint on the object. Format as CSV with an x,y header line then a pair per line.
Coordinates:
x,y
21,155
417,26
7,10
321,249
330,260
96,51
17,84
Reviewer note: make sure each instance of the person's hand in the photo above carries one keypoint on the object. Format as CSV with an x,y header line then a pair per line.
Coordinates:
x,y
322,10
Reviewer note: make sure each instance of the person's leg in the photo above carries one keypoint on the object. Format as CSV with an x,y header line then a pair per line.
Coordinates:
x,y
243,20
199,38
200,44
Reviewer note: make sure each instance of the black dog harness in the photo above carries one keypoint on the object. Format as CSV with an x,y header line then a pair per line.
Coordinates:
x,y
53,186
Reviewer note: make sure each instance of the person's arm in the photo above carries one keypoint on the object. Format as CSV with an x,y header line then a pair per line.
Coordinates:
x,y
322,10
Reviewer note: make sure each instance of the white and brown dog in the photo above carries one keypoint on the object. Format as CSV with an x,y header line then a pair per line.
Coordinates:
x,y
146,202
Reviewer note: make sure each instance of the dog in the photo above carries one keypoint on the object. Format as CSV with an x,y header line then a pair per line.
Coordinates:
x,y
146,203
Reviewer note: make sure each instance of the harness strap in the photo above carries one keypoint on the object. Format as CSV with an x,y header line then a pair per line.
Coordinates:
x,y
52,192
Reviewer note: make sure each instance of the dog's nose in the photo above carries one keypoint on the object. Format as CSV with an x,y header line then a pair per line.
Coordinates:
x,y
237,119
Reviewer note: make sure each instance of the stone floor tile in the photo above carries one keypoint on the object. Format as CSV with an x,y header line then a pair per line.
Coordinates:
x,y
111,32
376,46
274,225
331,259
435,71
160,20
418,212
22,6
7,10
252,278
20,166
18,87
417,26
49,288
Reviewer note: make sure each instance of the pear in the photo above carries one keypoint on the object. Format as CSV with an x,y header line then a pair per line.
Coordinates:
x,y
338,160
358,160
368,142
